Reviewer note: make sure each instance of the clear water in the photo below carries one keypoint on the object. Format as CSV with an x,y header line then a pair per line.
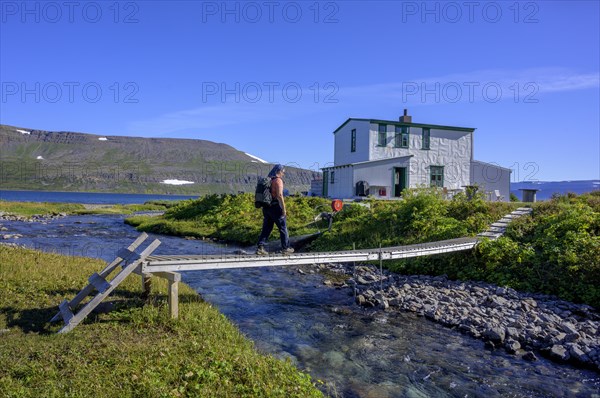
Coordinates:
x,y
356,352
85,197
548,188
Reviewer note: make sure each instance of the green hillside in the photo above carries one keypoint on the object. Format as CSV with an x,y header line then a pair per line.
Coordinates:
x,y
68,161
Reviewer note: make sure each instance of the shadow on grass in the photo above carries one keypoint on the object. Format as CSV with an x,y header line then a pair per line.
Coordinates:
x,y
37,320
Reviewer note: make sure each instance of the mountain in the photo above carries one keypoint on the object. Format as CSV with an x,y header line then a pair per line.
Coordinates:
x,y
548,188
70,161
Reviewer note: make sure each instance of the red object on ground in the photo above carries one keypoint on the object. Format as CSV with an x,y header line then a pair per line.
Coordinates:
x,y
337,205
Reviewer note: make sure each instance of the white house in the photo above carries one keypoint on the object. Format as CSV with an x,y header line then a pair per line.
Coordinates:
x,y
388,156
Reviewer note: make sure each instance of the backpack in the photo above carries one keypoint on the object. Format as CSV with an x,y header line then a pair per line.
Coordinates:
x,y
262,194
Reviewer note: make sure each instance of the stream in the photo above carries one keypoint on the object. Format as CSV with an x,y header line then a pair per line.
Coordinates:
x,y
356,352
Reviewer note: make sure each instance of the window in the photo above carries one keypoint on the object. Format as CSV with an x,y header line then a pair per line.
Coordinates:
x,y
332,178
437,176
426,138
353,141
382,136
401,137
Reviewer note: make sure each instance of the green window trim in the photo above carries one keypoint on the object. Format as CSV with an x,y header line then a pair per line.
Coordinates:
x,y
353,141
382,135
436,176
401,137
426,135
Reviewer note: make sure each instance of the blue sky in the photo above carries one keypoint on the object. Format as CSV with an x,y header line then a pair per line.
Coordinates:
x,y
275,79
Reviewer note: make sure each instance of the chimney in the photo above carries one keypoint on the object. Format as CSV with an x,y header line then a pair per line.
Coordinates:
x,y
406,118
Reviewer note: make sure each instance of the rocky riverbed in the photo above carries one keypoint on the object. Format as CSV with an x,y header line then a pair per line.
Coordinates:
x,y
43,218
523,324
33,218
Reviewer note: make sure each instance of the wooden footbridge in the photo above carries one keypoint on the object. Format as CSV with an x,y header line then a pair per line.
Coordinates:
x,y
168,266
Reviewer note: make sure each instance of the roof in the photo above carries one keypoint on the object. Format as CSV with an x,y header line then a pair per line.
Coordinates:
x,y
367,161
398,123
491,165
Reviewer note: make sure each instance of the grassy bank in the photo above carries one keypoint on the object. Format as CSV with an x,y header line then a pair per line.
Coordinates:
x,y
28,209
135,350
229,218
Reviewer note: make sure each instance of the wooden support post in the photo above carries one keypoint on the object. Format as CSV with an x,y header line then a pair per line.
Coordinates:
x,y
173,299
173,290
146,285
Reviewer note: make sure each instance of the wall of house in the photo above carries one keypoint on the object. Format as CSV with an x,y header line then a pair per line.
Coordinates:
x,y
342,186
489,178
380,175
448,148
342,143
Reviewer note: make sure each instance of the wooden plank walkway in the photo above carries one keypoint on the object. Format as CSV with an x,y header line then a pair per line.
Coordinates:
x,y
177,263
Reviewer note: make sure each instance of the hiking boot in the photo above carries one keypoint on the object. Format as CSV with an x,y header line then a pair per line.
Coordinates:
x,y
261,251
289,250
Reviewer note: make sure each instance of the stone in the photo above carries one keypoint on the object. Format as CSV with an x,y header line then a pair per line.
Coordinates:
x,y
576,353
528,303
395,302
568,327
512,346
360,299
497,302
530,356
559,338
495,333
490,345
571,337
369,304
559,352
383,303
512,332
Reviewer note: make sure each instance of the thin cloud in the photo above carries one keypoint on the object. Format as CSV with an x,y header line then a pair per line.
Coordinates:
x,y
491,85
224,115
486,85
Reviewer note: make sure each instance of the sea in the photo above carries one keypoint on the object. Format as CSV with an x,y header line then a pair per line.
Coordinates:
x,y
549,188
85,197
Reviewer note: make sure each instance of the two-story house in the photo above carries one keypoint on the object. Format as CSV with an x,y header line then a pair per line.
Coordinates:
x,y
383,157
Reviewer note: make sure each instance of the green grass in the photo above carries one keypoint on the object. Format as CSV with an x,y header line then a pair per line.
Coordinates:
x,y
128,209
135,350
231,218
28,209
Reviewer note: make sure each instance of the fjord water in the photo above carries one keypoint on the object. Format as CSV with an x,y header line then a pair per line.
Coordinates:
x,y
85,197
356,352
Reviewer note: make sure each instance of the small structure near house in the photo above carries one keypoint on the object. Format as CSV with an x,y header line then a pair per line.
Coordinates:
x,y
529,194
381,158
316,186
